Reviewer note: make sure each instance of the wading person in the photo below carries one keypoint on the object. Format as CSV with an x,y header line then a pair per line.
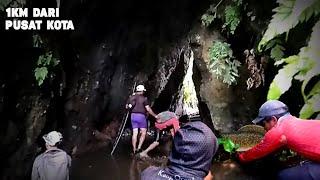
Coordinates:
x,y
54,163
285,130
139,106
166,121
194,146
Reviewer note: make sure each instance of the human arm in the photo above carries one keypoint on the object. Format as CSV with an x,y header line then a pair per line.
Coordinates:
x,y
69,161
130,102
150,111
35,172
272,141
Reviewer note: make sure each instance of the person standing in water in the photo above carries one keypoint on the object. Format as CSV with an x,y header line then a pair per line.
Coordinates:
x,y
139,106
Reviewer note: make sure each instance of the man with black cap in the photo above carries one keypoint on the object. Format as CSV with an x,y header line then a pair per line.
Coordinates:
x,y
285,130
194,146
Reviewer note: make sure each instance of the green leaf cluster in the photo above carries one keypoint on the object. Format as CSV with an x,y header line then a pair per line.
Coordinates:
x,y
187,94
222,62
43,64
228,144
287,15
207,19
306,64
210,15
231,15
232,18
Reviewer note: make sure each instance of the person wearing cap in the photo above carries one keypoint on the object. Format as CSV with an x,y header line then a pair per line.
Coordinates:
x,y
285,130
54,163
165,120
194,146
139,106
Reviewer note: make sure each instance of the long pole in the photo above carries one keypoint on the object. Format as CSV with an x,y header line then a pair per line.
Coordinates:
x,y
123,124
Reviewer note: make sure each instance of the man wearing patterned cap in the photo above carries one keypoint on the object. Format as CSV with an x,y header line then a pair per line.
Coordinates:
x,y
285,130
166,120
194,146
54,163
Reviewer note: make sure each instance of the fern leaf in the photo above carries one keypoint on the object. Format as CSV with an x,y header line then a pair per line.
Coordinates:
x,y
277,52
310,57
282,81
314,9
310,107
40,74
285,18
315,90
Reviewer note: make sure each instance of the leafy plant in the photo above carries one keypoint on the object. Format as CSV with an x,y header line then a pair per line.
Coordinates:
x,y
207,19
210,15
232,18
222,63
187,95
287,15
305,65
43,64
228,144
231,15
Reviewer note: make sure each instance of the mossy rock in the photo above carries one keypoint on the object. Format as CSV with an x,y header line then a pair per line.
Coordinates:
x,y
252,129
244,140
246,137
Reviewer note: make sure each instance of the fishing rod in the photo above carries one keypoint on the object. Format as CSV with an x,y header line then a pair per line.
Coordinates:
x,y
123,124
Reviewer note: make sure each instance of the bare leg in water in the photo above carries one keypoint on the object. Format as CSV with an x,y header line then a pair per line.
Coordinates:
x,y
134,139
142,137
151,147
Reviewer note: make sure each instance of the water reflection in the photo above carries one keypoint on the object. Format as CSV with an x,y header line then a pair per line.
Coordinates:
x,y
100,166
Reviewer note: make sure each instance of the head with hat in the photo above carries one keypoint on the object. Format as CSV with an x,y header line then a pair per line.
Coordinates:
x,y
140,89
52,139
270,112
194,146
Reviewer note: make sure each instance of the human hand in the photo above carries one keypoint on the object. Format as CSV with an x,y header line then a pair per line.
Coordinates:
x,y
128,106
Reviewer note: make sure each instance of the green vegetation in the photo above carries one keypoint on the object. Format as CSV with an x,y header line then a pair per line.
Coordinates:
x,y
228,145
232,18
187,94
231,15
304,66
222,62
44,63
